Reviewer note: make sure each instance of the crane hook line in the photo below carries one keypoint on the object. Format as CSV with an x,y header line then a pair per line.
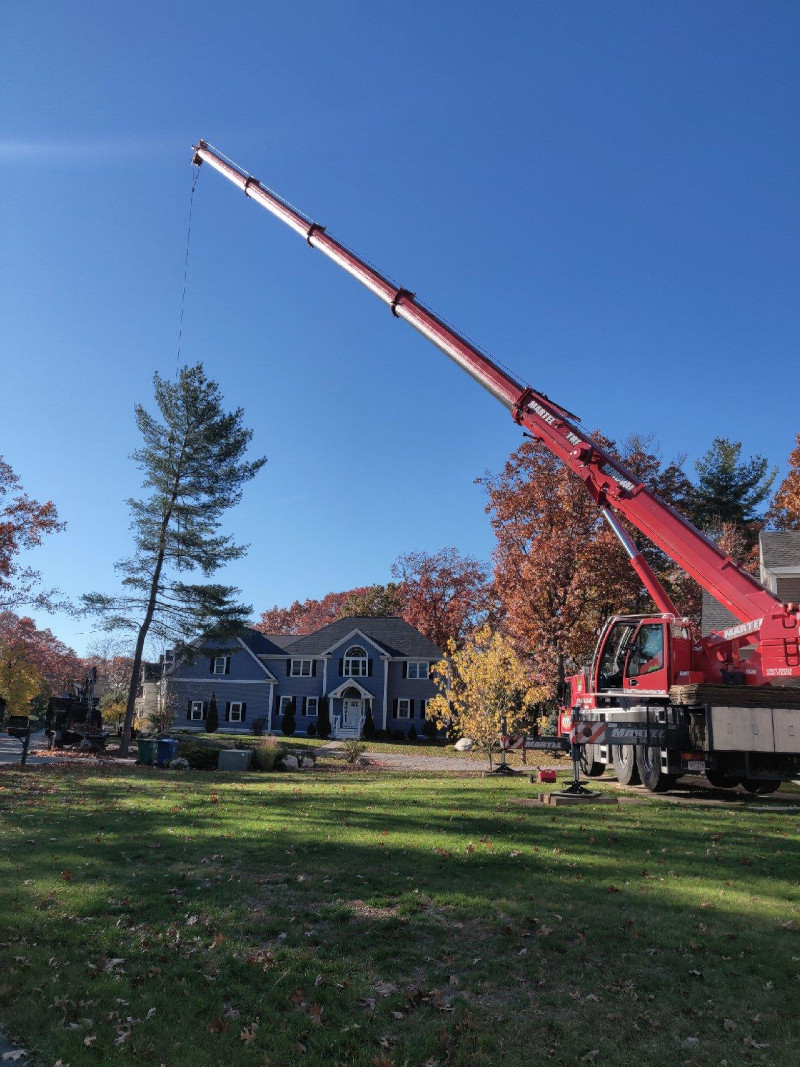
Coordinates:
x,y
185,274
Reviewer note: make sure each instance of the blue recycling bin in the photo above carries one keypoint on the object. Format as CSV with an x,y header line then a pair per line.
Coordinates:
x,y
167,750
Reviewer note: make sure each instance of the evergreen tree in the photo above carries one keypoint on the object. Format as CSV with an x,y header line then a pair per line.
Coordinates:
x,y
288,724
194,465
212,722
412,733
323,718
368,730
728,490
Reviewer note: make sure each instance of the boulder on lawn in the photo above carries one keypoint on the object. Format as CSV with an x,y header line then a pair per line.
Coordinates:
x,y
466,744
290,762
179,764
306,762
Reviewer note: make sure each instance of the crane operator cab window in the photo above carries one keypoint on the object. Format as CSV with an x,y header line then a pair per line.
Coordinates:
x,y
612,658
647,650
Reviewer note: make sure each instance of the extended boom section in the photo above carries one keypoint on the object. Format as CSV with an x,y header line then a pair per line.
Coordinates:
x,y
764,648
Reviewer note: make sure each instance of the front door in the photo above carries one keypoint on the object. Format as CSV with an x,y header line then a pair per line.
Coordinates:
x,y
351,713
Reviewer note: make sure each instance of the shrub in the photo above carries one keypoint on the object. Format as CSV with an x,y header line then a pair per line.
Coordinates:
x,y
200,756
368,731
212,721
288,724
354,749
398,735
429,729
265,754
412,733
324,719
382,735
311,730
259,725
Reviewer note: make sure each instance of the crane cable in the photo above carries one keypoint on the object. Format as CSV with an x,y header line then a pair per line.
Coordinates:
x,y
195,176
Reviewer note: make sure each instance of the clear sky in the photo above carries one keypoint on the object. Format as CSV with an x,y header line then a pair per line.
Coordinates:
x,y
602,193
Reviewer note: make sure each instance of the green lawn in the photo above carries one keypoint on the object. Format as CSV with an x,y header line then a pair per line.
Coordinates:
x,y
337,917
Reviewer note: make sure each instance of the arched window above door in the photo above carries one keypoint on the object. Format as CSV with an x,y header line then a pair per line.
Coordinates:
x,y
356,664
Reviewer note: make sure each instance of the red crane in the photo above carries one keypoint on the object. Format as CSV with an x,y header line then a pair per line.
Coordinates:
x,y
763,650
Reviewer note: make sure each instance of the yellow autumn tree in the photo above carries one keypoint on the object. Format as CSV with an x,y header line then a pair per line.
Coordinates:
x,y
20,683
785,511
479,686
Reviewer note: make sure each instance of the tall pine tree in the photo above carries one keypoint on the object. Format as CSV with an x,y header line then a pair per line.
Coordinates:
x,y
194,465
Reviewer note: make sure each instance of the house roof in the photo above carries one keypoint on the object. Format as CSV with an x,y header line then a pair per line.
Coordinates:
x,y
715,616
394,635
151,672
267,644
780,548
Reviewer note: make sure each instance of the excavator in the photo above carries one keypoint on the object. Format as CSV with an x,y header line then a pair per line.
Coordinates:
x,y
659,700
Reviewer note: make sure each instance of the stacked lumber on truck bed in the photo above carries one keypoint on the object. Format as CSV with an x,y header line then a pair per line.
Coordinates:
x,y
745,696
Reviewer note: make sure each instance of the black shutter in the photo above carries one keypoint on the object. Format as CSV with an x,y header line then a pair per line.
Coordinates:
x,y
227,711
288,667
341,668
313,668
405,668
369,668
411,709
204,712
394,707
227,664
244,711
189,709
211,665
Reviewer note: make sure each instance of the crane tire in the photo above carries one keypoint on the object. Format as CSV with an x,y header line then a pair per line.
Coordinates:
x,y
722,781
591,766
648,763
760,786
625,765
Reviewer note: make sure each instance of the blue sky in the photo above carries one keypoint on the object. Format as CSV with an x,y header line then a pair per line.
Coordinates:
x,y
603,194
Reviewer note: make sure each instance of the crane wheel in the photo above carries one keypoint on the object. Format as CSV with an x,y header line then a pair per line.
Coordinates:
x,y
722,781
625,765
590,764
760,786
648,762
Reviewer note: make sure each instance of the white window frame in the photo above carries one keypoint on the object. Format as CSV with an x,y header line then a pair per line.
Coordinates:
x,y
418,666
315,712
237,704
196,704
400,702
224,661
284,700
300,672
361,662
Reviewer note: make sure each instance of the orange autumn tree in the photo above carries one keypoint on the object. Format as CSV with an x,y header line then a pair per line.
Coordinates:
x,y
559,572
483,687
784,514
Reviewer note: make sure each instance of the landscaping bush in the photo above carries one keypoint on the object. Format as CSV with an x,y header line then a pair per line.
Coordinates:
x,y
398,735
382,735
288,723
311,730
412,733
212,721
265,754
324,719
368,731
201,756
259,725
429,730
354,749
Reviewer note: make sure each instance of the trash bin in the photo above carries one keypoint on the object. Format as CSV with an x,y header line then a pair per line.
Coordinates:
x,y
147,750
167,750
235,759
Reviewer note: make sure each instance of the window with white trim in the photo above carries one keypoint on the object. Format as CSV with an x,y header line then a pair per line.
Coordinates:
x,y
235,712
418,670
404,708
301,668
285,701
220,665
312,704
196,711
355,662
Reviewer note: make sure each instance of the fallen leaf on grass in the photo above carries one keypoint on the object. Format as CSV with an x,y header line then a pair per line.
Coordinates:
x,y
218,1026
248,1033
752,1043
15,1054
89,1040
729,1024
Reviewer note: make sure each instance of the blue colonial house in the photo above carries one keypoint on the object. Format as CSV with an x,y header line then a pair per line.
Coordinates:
x,y
378,664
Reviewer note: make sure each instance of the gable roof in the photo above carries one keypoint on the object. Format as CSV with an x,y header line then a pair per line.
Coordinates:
x,y
267,644
394,635
780,548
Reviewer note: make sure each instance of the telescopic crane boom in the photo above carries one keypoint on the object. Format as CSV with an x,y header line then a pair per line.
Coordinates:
x,y
616,490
